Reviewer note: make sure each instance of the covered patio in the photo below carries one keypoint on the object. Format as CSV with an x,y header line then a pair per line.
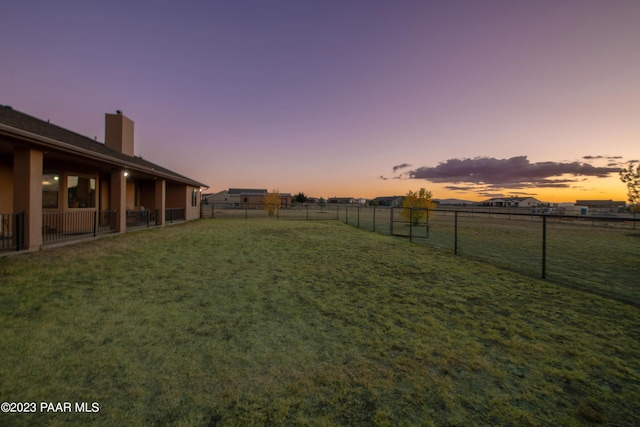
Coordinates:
x,y
58,185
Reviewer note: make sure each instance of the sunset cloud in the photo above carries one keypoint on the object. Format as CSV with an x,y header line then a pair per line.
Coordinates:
x,y
514,172
401,166
602,157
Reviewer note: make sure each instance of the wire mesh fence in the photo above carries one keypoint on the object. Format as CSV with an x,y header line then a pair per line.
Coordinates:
x,y
246,211
11,231
596,254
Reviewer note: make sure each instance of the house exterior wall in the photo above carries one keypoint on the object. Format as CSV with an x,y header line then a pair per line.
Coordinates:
x,y
130,194
21,189
181,196
223,197
104,189
528,203
6,188
176,196
147,195
255,201
118,199
251,201
160,191
192,211
230,199
285,201
44,165
27,193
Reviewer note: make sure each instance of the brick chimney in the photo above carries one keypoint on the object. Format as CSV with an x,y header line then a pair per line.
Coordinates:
x,y
118,133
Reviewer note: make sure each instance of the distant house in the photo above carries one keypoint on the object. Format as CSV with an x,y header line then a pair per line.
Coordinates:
x,y
69,185
602,205
454,202
341,200
512,202
232,197
243,198
391,201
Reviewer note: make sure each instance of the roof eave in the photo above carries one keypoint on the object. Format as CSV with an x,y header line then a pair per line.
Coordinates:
x,y
72,149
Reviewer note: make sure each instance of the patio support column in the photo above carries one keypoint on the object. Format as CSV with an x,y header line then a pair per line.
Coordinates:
x,y
27,193
119,199
161,196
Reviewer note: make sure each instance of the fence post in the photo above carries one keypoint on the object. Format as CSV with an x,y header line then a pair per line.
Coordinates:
x,y
411,224
455,233
391,222
358,213
374,219
95,224
428,223
307,212
346,216
19,228
544,246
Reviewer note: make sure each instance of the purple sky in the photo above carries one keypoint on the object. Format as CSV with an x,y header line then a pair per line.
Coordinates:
x,y
469,99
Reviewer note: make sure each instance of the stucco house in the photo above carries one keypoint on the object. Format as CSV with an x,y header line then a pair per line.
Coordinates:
x,y
56,184
392,201
512,202
231,197
341,200
603,205
250,198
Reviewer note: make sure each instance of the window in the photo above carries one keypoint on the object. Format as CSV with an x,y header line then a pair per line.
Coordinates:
x,y
81,192
194,197
50,190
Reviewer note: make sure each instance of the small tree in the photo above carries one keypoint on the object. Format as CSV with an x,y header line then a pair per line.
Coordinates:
x,y
300,197
417,199
322,203
631,177
271,202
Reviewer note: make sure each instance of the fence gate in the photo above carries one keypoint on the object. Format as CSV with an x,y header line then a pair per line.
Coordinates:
x,y
416,225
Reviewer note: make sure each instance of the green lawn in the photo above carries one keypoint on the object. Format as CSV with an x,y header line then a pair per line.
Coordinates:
x,y
597,256
265,322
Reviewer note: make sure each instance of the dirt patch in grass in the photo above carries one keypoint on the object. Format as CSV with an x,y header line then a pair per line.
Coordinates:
x,y
258,322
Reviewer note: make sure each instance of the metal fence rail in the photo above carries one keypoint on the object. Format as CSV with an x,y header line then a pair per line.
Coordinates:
x,y
68,225
11,231
138,218
299,212
172,215
596,254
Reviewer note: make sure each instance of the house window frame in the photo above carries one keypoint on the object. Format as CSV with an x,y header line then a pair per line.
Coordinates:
x,y
194,197
93,201
53,175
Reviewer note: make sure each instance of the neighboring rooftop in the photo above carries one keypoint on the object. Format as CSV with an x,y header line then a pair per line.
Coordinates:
x,y
246,191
